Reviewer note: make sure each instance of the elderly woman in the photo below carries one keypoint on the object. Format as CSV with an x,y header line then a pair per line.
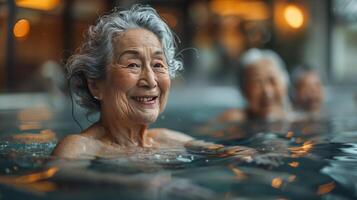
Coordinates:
x,y
307,92
123,71
263,83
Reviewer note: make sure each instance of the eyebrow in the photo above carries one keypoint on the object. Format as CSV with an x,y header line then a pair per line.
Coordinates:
x,y
133,52
158,53
137,53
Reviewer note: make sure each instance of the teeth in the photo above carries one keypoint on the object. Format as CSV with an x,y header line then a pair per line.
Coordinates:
x,y
144,99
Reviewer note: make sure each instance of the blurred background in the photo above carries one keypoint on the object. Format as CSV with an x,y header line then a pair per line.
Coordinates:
x,y
37,36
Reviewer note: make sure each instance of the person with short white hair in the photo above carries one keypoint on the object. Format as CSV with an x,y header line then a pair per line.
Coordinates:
x,y
263,81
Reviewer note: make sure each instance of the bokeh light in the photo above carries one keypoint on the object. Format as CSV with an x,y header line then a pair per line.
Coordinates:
x,y
38,4
21,28
294,16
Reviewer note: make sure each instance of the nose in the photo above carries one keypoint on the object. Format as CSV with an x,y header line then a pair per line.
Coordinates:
x,y
147,78
267,90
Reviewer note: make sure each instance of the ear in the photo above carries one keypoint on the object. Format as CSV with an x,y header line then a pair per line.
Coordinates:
x,y
94,88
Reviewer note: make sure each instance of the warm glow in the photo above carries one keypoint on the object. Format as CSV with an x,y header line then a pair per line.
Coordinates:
x,y
276,182
34,115
30,126
21,28
250,10
326,188
30,178
38,4
294,164
33,181
301,150
34,177
294,16
238,173
29,138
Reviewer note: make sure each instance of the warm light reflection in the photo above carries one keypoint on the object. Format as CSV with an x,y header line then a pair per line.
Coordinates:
x,y
238,173
43,136
30,126
38,4
231,152
293,16
36,176
294,164
35,114
250,10
43,186
325,188
301,150
214,146
276,182
34,181
21,28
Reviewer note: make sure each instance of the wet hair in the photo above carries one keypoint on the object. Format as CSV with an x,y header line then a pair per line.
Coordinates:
x,y
96,52
254,55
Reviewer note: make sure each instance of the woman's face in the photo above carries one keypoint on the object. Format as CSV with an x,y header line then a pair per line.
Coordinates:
x,y
309,92
137,81
264,89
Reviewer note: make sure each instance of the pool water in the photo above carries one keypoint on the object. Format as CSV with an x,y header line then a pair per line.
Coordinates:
x,y
305,160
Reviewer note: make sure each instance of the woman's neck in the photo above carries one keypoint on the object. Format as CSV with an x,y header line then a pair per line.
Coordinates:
x,y
123,133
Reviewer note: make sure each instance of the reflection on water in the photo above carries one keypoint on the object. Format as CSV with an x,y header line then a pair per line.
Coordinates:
x,y
310,160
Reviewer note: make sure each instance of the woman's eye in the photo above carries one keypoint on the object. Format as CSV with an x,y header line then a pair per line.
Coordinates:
x,y
133,65
159,65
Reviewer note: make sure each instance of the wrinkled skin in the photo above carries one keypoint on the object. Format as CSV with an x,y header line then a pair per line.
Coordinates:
x,y
264,90
139,69
308,92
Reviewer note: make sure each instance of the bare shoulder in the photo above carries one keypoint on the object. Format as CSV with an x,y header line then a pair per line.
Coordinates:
x,y
166,135
72,146
232,115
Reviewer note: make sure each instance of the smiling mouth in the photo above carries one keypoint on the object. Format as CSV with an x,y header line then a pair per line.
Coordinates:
x,y
145,99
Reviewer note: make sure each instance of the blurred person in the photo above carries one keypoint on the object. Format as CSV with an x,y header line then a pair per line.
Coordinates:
x,y
307,92
263,82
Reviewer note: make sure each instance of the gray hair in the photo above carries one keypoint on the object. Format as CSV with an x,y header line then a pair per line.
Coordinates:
x,y
96,52
254,55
